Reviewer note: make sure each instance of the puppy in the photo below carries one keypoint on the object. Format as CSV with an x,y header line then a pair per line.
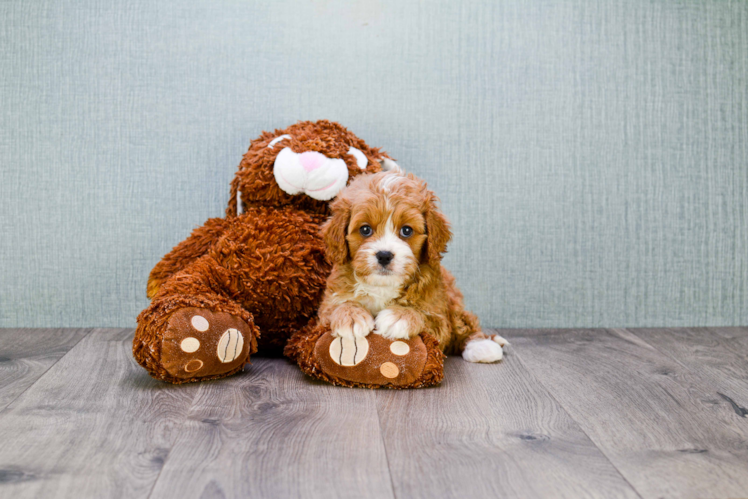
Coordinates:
x,y
385,239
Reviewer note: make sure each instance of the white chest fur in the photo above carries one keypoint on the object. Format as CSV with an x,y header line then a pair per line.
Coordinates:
x,y
376,297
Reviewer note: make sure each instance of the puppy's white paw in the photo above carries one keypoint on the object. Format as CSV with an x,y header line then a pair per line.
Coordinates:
x,y
482,351
390,326
358,325
499,340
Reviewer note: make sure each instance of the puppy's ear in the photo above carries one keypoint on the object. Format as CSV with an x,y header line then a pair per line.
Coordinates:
x,y
389,165
335,230
437,231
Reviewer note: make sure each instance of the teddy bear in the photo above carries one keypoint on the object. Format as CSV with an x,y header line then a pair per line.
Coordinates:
x,y
250,280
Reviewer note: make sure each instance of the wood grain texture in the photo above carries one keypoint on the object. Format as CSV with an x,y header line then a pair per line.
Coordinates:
x,y
94,425
25,354
276,433
490,431
718,355
587,413
665,428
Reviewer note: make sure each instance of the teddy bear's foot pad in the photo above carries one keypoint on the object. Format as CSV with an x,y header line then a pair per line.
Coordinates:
x,y
199,343
372,361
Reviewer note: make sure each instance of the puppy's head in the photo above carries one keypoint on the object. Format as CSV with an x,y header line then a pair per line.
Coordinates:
x,y
386,225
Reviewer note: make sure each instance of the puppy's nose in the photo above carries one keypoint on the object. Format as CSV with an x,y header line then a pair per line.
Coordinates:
x,y
384,257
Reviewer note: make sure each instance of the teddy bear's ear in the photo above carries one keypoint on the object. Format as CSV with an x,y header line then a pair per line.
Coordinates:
x,y
438,233
234,200
335,230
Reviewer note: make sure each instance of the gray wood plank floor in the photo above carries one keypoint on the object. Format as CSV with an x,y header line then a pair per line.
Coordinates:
x,y
26,354
663,425
274,433
568,413
490,431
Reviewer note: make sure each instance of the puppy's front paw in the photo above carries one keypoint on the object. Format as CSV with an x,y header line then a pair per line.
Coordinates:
x,y
483,351
351,322
393,326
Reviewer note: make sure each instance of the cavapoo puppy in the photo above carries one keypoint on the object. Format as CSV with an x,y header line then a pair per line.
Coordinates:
x,y
385,238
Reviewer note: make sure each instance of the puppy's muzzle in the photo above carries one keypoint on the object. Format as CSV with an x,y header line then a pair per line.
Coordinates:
x,y
384,258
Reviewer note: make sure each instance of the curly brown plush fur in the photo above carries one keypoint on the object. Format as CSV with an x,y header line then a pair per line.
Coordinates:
x,y
303,349
259,275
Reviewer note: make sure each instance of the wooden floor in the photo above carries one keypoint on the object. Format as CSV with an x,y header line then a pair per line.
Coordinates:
x,y
568,413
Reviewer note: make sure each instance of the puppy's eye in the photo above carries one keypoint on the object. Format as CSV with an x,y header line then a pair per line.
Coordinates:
x,y
366,230
406,231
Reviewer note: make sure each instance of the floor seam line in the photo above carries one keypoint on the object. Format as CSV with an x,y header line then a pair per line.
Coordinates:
x,y
171,448
578,424
384,446
706,381
90,331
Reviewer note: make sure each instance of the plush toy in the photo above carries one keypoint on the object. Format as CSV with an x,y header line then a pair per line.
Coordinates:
x,y
371,362
255,277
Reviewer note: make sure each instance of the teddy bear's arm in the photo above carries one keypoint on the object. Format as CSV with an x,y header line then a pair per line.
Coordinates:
x,y
195,246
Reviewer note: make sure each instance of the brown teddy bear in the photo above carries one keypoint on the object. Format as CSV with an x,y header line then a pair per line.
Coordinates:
x,y
252,279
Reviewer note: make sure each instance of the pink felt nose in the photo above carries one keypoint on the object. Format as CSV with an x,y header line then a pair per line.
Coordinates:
x,y
311,160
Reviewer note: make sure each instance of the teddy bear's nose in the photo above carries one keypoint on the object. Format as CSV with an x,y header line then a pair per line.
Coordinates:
x,y
311,160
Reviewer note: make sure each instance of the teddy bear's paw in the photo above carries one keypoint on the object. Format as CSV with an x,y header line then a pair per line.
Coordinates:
x,y
373,361
199,343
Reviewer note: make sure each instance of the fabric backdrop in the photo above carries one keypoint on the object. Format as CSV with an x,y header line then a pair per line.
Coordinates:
x,y
590,155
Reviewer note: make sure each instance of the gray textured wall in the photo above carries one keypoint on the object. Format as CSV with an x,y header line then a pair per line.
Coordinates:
x,y
591,155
